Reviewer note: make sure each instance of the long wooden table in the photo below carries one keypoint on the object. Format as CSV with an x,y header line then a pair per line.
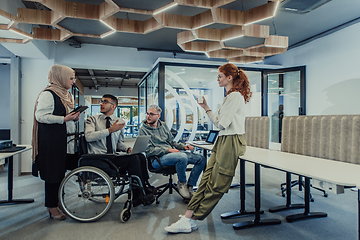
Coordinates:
x,y
338,173
9,156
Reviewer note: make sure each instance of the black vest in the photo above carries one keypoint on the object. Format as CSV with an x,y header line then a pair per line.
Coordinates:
x,y
52,146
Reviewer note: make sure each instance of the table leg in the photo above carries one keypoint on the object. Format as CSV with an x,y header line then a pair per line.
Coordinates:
x,y
307,214
10,200
288,198
242,211
257,221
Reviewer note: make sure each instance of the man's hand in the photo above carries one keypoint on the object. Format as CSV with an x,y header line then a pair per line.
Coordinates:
x,y
129,150
116,127
171,150
189,147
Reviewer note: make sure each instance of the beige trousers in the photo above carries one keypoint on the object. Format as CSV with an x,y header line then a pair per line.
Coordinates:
x,y
218,175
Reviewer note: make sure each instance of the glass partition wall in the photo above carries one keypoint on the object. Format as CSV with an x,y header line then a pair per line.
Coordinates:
x,y
175,87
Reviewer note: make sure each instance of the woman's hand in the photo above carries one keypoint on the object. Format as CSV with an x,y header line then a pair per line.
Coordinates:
x,y
72,117
203,104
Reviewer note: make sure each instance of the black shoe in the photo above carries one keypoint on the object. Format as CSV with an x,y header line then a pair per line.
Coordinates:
x,y
148,200
136,202
151,189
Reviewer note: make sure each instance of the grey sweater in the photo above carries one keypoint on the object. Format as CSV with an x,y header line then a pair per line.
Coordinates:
x,y
161,139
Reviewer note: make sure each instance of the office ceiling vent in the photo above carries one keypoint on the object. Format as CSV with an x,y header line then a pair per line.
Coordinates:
x,y
302,6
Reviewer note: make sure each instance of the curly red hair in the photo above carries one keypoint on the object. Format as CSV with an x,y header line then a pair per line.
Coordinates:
x,y
240,81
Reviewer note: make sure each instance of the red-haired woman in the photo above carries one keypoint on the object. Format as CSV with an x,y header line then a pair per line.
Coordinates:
x,y
230,144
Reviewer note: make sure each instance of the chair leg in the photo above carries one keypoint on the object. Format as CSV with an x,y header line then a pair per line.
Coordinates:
x,y
163,188
302,184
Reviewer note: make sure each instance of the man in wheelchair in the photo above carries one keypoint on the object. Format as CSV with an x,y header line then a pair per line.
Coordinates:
x,y
104,134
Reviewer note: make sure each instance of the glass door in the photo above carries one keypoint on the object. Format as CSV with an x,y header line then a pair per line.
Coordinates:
x,y
285,97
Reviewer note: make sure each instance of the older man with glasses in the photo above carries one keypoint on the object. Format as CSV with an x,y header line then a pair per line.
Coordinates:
x,y
105,134
171,153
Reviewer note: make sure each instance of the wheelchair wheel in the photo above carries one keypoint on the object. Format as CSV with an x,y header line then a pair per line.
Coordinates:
x,y
125,215
86,194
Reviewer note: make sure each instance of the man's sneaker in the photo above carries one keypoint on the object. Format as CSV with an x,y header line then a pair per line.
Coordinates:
x,y
191,191
193,224
181,226
183,190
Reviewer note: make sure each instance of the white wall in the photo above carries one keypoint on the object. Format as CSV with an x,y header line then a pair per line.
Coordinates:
x,y
34,79
5,96
4,53
332,71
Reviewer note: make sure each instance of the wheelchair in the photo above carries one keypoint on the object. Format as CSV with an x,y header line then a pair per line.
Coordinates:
x,y
88,192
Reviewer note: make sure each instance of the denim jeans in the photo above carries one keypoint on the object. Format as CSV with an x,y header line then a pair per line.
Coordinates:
x,y
180,160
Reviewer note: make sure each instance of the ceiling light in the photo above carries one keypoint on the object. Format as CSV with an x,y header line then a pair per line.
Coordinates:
x,y
107,34
107,25
275,46
257,21
166,8
232,38
276,8
20,32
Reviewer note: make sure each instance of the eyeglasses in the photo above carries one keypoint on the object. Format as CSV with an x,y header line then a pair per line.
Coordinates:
x,y
151,114
219,76
105,102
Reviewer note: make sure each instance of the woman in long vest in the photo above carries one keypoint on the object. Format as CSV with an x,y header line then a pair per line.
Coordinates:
x,y
52,120
230,144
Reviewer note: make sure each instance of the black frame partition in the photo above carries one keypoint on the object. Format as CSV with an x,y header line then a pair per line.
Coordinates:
x,y
161,65
264,87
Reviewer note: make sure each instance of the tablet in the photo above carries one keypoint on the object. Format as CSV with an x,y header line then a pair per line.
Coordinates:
x,y
80,109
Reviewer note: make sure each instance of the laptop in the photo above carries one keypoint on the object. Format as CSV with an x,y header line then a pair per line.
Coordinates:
x,y
210,138
140,145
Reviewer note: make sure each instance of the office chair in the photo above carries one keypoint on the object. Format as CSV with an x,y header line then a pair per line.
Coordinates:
x,y
166,171
301,184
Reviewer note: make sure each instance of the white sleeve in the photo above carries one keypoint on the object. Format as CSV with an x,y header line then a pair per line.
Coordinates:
x,y
228,108
45,108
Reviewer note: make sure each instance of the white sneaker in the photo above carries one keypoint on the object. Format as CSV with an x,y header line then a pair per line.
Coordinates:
x,y
191,191
181,226
183,190
193,224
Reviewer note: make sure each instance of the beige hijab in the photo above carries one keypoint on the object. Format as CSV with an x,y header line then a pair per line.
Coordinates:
x,y
58,77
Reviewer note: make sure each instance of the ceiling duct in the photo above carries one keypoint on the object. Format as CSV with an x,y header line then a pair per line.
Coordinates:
x,y
302,6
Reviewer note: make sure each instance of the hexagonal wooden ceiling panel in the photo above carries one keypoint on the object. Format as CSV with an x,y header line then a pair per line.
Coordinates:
x,y
203,25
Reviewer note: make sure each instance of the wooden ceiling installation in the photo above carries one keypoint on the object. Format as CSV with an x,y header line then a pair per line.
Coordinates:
x,y
198,36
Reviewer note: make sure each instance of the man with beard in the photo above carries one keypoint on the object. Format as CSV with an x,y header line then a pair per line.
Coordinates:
x,y
105,135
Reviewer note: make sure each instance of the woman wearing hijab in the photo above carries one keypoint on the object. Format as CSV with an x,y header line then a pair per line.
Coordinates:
x,y
52,121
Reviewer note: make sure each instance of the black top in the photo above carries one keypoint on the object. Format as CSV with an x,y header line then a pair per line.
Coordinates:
x,y
52,146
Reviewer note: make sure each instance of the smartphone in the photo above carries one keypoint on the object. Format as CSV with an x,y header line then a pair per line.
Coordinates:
x,y
80,109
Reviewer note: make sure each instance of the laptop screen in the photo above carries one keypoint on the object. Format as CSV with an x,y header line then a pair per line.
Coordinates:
x,y
212,136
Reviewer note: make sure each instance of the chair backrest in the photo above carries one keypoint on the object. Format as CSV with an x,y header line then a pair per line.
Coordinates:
x,y
82,146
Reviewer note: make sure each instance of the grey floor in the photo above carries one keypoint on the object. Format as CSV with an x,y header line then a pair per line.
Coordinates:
x,y
31,221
